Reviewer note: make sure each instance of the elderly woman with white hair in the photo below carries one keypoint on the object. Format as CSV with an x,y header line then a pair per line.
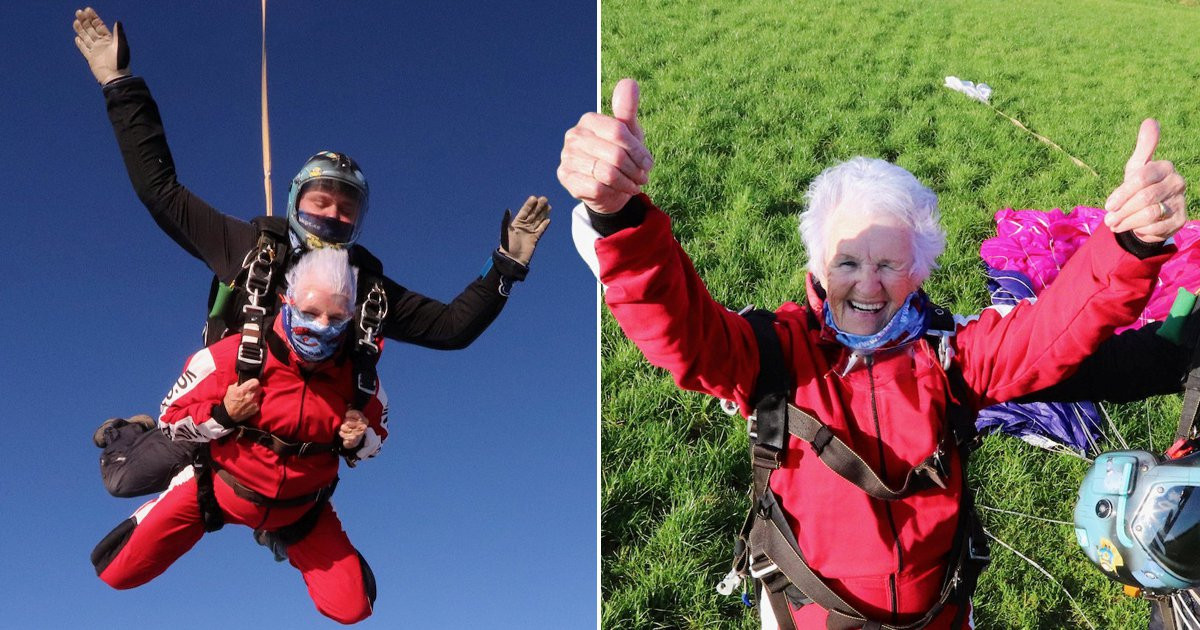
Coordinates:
x,y
274,447
865,395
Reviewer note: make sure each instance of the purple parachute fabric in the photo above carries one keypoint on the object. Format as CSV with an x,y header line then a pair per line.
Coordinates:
x,y
1046,425
1028,251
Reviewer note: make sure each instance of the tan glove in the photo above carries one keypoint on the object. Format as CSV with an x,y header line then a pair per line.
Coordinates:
x,y
519,235
107,54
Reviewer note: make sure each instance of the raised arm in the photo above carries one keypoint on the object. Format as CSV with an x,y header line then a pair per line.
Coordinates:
x,y
424,321
1104,286
217,239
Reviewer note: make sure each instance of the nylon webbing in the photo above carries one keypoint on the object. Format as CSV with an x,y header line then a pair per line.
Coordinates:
x,y
266,124
848,465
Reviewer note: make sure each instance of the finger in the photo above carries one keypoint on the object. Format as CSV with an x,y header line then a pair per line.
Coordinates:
x,y
613,131
587,157
526,210
81,46
1143,177
1147,215
625,105
80,32
1147,142
89,26
605,173
1139,196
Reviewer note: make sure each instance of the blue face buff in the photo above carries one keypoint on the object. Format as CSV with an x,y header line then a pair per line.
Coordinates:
x,y
311,340
907,324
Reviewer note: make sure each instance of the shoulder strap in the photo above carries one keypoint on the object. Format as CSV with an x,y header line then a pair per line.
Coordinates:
x,y
771,390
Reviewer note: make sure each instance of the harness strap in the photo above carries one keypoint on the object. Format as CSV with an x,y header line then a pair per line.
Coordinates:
x,y
848,465
282,447
767,549
210,513
272,502
772,536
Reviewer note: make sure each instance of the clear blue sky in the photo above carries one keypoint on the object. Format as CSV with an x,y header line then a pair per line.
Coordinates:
x,y
481,510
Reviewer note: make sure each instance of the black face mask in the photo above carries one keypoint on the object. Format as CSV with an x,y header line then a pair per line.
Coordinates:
x,y
327,229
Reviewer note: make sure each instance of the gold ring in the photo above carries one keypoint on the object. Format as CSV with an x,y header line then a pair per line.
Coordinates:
x,y
1163,211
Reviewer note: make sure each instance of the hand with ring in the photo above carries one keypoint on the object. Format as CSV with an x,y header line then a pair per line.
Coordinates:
x,y
604,160
1151,200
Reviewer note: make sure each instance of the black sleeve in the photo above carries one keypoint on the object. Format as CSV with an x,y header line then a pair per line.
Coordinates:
x,y
1133,365
217,239
423,321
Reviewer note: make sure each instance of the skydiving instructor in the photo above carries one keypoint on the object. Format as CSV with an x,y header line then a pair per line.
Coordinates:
x,y
327,205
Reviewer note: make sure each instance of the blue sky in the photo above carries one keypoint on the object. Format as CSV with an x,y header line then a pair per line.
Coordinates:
x,y
481,511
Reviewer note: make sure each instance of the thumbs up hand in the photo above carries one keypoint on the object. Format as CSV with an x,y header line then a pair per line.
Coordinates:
x,y
604,160
1151,200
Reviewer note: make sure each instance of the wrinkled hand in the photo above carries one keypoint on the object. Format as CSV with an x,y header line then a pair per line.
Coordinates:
x,y
1135,204
604,160
107,54
519,235
242,399
352,429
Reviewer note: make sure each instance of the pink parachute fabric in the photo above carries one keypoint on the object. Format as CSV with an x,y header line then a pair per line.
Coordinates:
x,y
1038,243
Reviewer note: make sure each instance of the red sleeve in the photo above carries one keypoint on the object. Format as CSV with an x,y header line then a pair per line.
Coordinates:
x,y
1037,344
186,412
663,307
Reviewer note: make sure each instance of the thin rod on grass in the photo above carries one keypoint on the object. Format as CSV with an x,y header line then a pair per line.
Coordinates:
x,y
1015,513
1113,426
1044,572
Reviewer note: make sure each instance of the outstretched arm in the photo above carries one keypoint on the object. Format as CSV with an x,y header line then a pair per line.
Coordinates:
x,y
423,321
219,240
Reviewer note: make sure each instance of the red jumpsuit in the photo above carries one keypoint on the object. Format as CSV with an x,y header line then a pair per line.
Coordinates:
x,y
887,558
297,406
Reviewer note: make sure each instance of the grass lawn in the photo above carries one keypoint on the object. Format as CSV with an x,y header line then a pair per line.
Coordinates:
x,y
743,104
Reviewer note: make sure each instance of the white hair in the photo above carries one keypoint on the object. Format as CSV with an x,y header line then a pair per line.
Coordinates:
x,y
328,268
877,187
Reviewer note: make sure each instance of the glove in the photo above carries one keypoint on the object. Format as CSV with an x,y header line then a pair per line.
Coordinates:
x,y
519,235
107,54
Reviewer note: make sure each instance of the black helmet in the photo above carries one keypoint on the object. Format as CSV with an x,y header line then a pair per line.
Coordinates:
x,y
338,174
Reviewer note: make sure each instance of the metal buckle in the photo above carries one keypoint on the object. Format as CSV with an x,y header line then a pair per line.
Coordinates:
x,y
770,567
371,387
373,311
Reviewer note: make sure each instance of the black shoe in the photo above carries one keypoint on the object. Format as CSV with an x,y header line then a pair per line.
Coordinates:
x,y
143,420
272,542
100,437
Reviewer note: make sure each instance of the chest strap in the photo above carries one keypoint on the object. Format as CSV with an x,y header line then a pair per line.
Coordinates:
x,y
282,447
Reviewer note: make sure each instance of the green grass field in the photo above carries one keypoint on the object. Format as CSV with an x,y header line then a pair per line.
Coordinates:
x,y
743,104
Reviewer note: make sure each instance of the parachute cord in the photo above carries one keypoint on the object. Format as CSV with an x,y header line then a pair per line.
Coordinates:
x,y
1044,572
1181,610
1047,141
1113,426
1078,411
1015,513
266,125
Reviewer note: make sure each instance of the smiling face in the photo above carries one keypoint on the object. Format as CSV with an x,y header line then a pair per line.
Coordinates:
x,y
868,269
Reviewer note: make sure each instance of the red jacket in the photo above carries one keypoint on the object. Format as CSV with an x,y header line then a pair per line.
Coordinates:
x,y
297,406
883,557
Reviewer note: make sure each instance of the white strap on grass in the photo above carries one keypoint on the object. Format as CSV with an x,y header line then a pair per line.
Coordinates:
x,y
266,124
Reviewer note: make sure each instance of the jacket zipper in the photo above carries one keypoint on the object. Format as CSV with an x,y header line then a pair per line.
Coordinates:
x,y
887,505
